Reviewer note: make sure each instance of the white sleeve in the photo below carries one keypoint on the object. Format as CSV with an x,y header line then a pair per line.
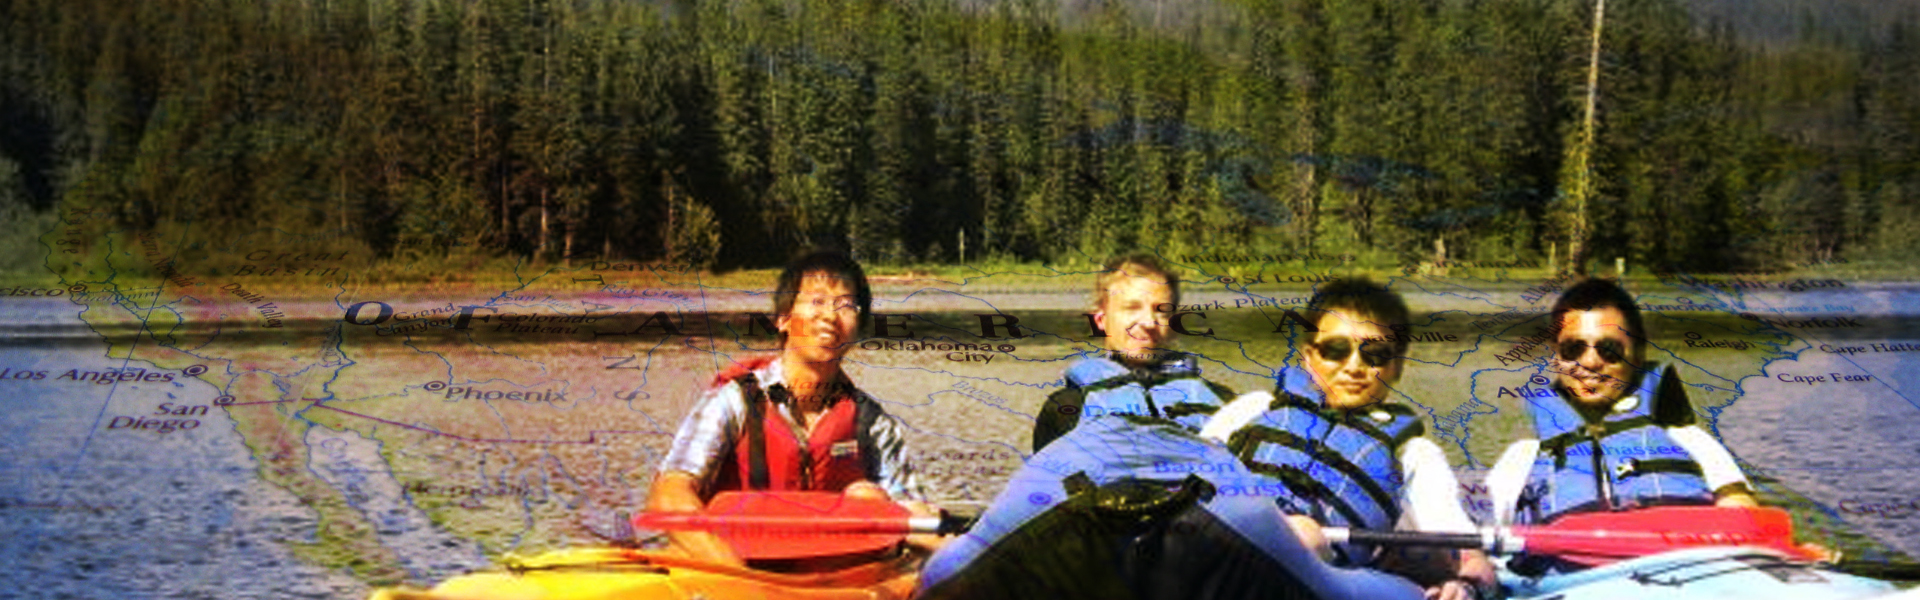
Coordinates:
x,y
1716,464
1431,493
1509,478
1236,414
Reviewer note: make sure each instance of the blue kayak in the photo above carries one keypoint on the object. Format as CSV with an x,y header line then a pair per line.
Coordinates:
x,y
1718,573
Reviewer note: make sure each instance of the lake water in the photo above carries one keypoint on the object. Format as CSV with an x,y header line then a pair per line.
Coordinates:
x,y
97,501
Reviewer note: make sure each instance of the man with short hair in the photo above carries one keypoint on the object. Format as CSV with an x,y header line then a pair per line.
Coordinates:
x,y
1133,501
1134,300
1648,453
793,421
1349,456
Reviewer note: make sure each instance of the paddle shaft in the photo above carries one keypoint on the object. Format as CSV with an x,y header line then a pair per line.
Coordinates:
x,y
1490,540
1618,542
1404,538
1495,541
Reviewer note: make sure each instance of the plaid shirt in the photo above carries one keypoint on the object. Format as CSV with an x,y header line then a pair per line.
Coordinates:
x,y
714,426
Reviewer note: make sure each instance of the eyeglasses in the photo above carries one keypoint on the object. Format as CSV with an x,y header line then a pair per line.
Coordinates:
x,y
1611,350
1373,354
835,303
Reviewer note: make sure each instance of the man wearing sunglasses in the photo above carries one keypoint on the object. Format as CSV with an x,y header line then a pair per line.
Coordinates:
x,y
1127,501
1649,452
1348,456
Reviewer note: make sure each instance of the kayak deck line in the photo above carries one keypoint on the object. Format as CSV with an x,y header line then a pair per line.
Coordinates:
x,y
1678,565
669,562
1750,562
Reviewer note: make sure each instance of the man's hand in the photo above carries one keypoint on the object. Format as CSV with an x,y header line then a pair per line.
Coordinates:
x,y
1474,577
1739,497
1820,553
1308,530
866,490
676,491
1453,590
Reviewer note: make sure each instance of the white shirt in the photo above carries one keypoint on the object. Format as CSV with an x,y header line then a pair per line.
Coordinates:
x,y
1430,500
1509,476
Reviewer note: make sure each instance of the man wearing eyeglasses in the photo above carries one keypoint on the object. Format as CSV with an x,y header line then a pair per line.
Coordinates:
x,y
1348,456
1649,452
794,421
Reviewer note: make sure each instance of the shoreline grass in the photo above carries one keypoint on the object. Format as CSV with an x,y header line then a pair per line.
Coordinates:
x,y
465,273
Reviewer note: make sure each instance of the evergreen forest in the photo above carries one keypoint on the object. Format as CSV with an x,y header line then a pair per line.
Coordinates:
x,y
731,134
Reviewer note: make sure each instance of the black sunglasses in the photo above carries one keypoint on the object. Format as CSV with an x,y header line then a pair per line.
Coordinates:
x,y
1373,354
1611,351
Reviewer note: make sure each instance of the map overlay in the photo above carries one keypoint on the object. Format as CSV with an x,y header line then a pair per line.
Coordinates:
x,y
287,424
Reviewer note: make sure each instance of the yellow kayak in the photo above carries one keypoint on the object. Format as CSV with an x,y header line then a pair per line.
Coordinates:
x,y
617,573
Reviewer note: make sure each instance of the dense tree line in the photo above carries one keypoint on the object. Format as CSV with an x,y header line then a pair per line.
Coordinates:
x,y
732,133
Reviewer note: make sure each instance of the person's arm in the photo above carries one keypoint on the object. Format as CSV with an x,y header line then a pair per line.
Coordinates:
x,y
898,481
1432,496
895,469
1431,493
1058,415
1722,474
1235,415
685,473
1507,481
678,491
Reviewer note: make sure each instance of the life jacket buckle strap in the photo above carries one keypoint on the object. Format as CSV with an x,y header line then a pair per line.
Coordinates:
x,y
1629,468
1078,483
758,477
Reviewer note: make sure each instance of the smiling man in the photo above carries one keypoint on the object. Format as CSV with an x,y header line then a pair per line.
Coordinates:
x,y
1648,452
1135,299
793,421
1139,500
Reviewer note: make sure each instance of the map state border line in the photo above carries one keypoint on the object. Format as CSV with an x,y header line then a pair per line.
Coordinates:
x,y
593,436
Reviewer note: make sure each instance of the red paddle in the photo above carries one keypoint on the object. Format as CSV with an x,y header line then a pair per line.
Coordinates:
x,y
1599,538
792,525
787,525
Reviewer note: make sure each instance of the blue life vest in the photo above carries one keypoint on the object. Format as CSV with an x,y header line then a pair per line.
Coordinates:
x,y
1640,464
1341,467
1171,390
1132,450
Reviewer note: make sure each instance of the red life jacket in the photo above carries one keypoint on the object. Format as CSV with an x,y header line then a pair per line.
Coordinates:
x,y
770,455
